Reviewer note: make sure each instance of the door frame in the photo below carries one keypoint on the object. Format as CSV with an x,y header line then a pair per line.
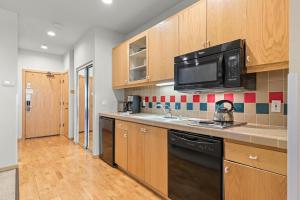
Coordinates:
x,y
24,71
64,74
76,132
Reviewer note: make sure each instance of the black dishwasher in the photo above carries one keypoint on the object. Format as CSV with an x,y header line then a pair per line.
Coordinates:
x,y
195,166
107,140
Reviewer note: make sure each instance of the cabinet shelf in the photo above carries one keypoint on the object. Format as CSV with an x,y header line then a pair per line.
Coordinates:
x,y
138,67
141,53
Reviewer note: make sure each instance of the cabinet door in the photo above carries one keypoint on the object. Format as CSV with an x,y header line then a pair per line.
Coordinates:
x,y
156,159
247,183
163,47
120,63
136,150
192,28
267,32
226,21
121,134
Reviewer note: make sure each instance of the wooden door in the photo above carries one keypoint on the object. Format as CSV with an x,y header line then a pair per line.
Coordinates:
x,y
136,150
226,21
246,183
44,94
192,28
156,156
163,47
120,65
121,144
81,83
267,32
65,111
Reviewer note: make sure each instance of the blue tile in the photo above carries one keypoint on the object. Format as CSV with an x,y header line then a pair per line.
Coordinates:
x,y
203,106
285,110
189,106
239,107
168,105
150,105
219,106
262,108
177,106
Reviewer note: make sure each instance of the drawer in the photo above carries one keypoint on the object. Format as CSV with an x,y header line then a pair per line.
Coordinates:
x,y
270,160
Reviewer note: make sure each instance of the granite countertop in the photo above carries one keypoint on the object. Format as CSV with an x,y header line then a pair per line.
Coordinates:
x,y
260,135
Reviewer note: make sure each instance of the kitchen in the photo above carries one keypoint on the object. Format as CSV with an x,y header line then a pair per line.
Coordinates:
x,y
184,99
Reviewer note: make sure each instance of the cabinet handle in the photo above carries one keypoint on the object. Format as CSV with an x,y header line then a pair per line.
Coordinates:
x,y
142,130
208,43
226,170
251,157
148,77
125,135
248,59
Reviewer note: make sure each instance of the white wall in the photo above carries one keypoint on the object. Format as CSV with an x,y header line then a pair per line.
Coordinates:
x,y
84,50
293,103
105,98
8,100
33,60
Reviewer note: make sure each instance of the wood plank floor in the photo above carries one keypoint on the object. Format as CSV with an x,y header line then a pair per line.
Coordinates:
x,y
55,168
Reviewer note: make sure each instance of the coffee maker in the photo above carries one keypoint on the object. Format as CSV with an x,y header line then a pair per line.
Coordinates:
x,y
134,104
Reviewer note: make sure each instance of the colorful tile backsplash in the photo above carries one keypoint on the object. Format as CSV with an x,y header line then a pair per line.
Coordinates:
x,y
251,106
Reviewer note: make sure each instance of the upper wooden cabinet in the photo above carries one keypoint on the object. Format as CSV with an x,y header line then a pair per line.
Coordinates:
x,y
138,59
119,66
267,34
192,28
163,47
226,21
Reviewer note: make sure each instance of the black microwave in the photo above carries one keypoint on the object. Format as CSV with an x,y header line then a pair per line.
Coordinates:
x,y
220,67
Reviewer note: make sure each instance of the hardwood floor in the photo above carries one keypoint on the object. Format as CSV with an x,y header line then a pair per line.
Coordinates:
x,y
54,168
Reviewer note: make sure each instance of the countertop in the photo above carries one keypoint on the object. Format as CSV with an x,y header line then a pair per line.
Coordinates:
x,y
260,135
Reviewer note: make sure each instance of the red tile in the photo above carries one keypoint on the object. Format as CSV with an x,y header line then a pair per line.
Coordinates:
x,y
229,97
211,98
183,98
172,99
276,96
162,99
154,99
196,98
147,99
250,97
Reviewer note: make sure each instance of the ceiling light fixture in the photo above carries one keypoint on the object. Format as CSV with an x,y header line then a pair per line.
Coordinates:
x,y
51,33
45,47
107,1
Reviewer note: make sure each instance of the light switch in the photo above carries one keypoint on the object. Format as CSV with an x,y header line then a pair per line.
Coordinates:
x,y
276,106
7,83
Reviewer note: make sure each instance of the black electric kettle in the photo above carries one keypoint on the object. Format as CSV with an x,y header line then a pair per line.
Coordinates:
x,y
223,114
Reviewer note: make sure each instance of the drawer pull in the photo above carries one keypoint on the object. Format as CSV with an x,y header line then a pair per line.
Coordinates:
x,y
125,135
226,170
251,157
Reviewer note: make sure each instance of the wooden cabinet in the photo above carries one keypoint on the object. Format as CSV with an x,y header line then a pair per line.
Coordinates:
x,y
121,135
163,47
248,183
192,28
136,150
267,35
156,154
120,66
226,21
142,151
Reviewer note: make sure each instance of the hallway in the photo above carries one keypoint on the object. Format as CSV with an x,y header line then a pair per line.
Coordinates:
x,y
53,168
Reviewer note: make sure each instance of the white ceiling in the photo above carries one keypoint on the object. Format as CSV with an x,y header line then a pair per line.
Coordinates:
x,y
36,17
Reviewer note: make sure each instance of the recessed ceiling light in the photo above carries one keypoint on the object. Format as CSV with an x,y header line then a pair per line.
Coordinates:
x,y
45,47
107,1
51,33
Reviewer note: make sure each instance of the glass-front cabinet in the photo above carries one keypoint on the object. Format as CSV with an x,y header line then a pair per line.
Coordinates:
x,y
138,59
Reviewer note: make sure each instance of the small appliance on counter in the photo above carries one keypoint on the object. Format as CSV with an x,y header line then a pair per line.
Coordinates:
x,y
221,67
122,106
134,104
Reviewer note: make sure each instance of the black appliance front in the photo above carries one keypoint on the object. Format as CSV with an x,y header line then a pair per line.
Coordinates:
x,y
195,166
107,138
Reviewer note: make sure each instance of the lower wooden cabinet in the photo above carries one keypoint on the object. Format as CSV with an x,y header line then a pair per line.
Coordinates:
x,y
141,150
242,182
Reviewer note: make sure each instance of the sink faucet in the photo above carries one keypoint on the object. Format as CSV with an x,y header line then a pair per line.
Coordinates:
x,y
167,110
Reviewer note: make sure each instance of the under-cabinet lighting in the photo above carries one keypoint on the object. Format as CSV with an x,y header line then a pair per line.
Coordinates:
x,y
165,84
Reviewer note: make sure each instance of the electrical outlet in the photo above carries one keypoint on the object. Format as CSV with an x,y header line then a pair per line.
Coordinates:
x,y
276,106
